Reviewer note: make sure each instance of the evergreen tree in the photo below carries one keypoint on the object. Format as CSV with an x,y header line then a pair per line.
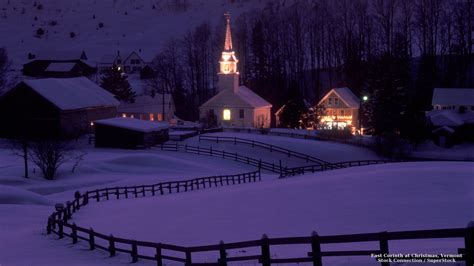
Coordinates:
x,y
116,83
386,86
294,108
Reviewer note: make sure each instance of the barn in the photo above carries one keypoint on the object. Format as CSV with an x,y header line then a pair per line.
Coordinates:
x,y
129,133
54,108
56,64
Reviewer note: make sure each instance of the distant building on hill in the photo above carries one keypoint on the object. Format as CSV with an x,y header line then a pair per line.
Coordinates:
x,y
54,64
54,108
235,105
128,62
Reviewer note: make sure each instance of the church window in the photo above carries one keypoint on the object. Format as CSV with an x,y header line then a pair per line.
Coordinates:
x,y
241,113
226,114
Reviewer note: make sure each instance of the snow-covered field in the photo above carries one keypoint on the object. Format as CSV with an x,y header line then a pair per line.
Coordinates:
x,y
406,196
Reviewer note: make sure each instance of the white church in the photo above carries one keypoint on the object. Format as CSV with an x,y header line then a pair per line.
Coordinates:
x,y
235,105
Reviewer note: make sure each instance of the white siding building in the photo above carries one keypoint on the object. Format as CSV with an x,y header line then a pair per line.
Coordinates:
x,y
235,105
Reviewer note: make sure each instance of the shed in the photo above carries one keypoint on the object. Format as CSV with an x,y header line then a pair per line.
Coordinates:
x,y
54,108
129,133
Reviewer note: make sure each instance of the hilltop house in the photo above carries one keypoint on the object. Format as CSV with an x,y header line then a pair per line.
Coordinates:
x,y
341,109
54,64
452,116
130,63
54,108
235,105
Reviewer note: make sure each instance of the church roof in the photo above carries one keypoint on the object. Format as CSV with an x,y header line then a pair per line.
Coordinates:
x,y
242,97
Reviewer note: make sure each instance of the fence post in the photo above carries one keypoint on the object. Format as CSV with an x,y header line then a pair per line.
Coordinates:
x,y
86,199
74,233
97,195
265,257
111,246
48,226
281,169
143,190
223,254
117,192
135,191
161,188
383,237
316,249
188,258
91,239
134,251
60,230
68,211
469,244
159,260
77,196
106,193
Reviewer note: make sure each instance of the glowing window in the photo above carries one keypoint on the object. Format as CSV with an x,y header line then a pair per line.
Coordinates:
x,y
124,115
226,114
152,117
159,117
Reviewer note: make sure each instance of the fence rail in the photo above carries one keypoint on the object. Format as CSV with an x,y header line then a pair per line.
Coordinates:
x,y
284,171
58,223
270,147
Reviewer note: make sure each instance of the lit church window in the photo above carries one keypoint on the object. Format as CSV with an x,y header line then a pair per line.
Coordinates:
x,y
226,114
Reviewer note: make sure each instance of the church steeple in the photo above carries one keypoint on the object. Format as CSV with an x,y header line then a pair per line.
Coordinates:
x,y
228,62
228,36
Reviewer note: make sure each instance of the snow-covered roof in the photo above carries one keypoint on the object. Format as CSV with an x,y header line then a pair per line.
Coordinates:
x,y
133,124
443,128
60,67
147,104
60,55
72,93
453,96
252,98
242,97
446,118
347,96
108,58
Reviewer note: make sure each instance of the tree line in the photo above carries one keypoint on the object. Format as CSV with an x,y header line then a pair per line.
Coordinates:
x,y
395,51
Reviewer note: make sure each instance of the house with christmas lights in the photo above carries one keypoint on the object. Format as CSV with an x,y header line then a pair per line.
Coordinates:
x,y
341,109
235,105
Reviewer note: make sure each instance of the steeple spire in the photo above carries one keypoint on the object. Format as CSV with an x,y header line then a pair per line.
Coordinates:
x,y
228,36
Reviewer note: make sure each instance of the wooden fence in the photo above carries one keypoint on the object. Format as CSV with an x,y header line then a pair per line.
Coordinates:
x,y
284,171
270,147
58,223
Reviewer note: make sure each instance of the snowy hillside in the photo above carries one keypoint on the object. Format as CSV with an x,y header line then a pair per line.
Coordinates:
x,y
104,26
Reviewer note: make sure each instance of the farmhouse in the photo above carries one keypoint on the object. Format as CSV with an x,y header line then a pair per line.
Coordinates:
x,y
341,109
130,63
235,105
452,116
54,64
54,108
155,107
129,133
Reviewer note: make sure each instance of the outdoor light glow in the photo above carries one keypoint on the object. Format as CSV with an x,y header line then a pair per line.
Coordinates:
x,y
365,98
124,115
92,124
226,114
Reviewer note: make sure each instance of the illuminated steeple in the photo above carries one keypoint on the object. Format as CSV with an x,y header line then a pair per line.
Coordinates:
x,y
228,62
228,36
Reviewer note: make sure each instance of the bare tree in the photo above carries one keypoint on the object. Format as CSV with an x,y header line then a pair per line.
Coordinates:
x,y
49,155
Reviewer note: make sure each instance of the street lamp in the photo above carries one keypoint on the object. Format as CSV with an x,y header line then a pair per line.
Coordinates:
x,y
364,99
